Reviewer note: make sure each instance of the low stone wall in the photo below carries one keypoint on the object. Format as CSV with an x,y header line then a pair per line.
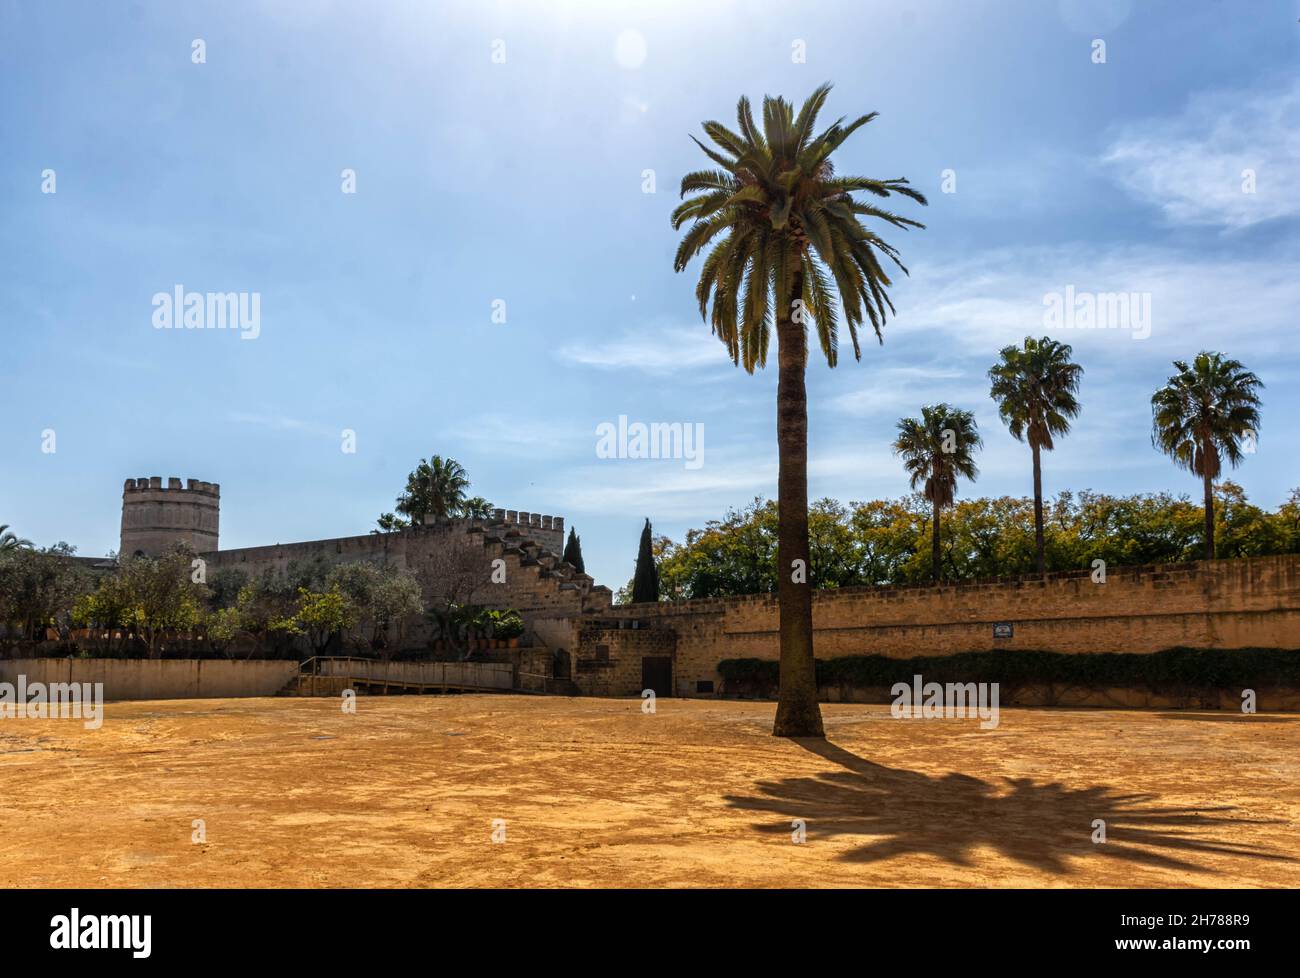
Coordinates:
x,y
159,679
491,675
1220,604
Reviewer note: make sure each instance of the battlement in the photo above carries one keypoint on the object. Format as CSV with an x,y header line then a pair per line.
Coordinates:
x,y
157,517
155,483
510,517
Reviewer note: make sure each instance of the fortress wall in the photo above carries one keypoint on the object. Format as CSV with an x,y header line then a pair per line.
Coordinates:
x,y
1253,602
549,597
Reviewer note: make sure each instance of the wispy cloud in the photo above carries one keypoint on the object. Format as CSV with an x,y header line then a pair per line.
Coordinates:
x,y
891,389
668,489
1198,300
281,422
653,350
531,437
1194,166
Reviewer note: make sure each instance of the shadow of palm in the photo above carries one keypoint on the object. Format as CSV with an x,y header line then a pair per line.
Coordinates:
x,y
949,816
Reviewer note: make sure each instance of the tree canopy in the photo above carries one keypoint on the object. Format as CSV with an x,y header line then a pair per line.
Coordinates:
x,y
886,541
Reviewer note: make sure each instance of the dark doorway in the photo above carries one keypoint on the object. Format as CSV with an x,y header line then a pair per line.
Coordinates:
x,y
657,674
560,665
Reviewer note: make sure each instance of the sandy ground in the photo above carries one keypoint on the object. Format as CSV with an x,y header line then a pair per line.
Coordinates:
x,y
295,792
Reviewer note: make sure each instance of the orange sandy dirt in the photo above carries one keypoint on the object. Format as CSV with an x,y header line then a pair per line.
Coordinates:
x,y
295,792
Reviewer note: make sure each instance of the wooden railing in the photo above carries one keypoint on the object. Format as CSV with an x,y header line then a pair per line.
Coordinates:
x,y
446,675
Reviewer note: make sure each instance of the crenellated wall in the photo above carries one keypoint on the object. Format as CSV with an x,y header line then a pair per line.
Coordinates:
x,y
514,557
532,579
1224,604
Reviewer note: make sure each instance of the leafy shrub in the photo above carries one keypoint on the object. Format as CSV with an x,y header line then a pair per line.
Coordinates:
x,y
1172,669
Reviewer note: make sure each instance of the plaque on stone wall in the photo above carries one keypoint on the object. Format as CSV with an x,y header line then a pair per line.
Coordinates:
x,y
1003,629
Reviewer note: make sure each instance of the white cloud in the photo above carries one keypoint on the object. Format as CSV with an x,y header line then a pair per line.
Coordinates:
x,y
893,389
531,437
653,350
1238,302
281,422
1192,166
667,488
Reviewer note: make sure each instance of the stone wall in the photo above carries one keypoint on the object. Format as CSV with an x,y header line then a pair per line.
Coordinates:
x,y
158,679
1222,604
156,518
609,659
549,594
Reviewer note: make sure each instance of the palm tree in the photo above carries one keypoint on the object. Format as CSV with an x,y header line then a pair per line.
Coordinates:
x,y
434,491
1034,387
476,507
936,449
1201,416
10,541
789,237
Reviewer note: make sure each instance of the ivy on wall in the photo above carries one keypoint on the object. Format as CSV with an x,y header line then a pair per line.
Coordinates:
x,y
1173,670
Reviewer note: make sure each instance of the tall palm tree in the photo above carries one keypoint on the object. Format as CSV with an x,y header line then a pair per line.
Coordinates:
x,y
1201,416
434,491
784,235
1034,387
10,541
476,507
937,448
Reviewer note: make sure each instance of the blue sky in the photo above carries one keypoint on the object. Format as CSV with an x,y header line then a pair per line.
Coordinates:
x,y
522,181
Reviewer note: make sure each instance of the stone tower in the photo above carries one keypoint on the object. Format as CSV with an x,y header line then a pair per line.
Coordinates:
x,y
155,519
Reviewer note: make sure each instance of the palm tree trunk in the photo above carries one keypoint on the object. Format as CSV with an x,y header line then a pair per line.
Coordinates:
x,y
1209,515
1038,510
797,713
934,545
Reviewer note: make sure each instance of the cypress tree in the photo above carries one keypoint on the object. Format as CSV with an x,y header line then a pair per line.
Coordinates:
x,y
645,584
573,552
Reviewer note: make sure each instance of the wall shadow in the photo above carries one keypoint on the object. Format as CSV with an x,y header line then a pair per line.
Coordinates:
x,y
1041,825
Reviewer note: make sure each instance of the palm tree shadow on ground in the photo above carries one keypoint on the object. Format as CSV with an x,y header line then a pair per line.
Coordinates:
x,y
1040,825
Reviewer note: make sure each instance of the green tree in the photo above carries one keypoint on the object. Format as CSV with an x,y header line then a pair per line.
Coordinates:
x,y
161,596
1206,412
384,596
645,583
888,534
792,236
888,541
573,552
1034,386
224,587
39,590
434,491
261,606
320,615
105,613
393,602
389,523
936,449
1288,520
477,508
1242,529
10,541
222,628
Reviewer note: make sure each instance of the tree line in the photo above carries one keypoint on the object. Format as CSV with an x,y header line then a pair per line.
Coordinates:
x,y
887,541
167,605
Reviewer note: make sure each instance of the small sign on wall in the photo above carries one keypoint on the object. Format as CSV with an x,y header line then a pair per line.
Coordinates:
x,y
1003,629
